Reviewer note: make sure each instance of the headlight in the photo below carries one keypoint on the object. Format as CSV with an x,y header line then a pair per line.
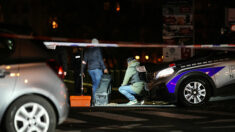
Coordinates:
x,y
165,72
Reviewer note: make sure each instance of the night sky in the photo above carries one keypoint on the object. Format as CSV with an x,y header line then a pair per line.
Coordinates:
x,y
114,20
134,21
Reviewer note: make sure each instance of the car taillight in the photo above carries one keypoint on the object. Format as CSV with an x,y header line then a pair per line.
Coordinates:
x,y
61,72
56,68
172,65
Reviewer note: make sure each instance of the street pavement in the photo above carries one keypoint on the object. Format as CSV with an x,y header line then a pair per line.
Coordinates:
x,y
216,116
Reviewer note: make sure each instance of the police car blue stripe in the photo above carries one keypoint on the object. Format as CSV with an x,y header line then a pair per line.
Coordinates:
x,y
209,71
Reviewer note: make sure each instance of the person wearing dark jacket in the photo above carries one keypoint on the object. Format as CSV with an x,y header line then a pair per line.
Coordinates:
x,y
76,64
95,65
131,85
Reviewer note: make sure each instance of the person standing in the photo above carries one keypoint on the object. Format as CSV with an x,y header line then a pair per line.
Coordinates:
x,y
76,64
131,85
94,60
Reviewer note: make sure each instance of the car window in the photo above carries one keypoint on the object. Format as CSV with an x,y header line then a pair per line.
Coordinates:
x,y
6,47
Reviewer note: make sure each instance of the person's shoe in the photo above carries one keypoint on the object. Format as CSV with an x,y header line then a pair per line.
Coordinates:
x,y
142,102
133,102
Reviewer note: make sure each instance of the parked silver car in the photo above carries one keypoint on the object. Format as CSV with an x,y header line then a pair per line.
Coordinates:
x,y
32,96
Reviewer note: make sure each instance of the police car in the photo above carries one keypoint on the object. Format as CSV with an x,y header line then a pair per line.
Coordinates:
x,y
193,82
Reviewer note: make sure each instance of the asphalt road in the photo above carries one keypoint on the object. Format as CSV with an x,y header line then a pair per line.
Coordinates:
x,y
217,116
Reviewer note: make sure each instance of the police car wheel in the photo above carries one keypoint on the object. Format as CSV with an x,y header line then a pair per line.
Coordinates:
x,y
194,92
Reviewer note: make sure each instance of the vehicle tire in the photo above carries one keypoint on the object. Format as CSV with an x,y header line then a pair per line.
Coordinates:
x,y
30,113
194,92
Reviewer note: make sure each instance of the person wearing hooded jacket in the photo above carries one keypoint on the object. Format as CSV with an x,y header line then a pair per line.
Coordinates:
x,y
131,85
94,60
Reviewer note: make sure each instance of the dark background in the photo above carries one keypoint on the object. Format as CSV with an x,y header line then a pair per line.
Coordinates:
x,y
137,20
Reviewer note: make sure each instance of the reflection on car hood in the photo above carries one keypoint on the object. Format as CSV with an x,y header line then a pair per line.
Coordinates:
x,y
197,60
212,58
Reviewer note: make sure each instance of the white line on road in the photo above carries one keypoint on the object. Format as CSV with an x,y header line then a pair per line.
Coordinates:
x,y
111,116
68,131
217,121
219,127
131,126
170,115
72,120
212,112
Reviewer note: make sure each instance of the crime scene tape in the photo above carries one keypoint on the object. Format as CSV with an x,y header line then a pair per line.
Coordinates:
x,y
137,45
52,42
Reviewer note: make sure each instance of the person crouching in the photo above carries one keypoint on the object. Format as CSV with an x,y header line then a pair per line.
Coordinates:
x,y
131,85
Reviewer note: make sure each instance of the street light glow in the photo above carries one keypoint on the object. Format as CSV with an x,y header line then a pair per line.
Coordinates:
x,y
118,7
147,57
54,24
137,57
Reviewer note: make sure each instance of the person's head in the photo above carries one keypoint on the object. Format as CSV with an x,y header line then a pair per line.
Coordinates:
x,y
130,59
94,41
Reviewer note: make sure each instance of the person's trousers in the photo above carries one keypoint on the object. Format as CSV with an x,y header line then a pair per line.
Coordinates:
x,y
127,92
96,75
77,82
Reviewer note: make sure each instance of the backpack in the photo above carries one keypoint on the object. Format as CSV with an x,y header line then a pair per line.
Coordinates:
x,y
143,76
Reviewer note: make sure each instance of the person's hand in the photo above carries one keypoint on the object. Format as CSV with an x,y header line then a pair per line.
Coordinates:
x,y
83,62
83,75
106,71
65,73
